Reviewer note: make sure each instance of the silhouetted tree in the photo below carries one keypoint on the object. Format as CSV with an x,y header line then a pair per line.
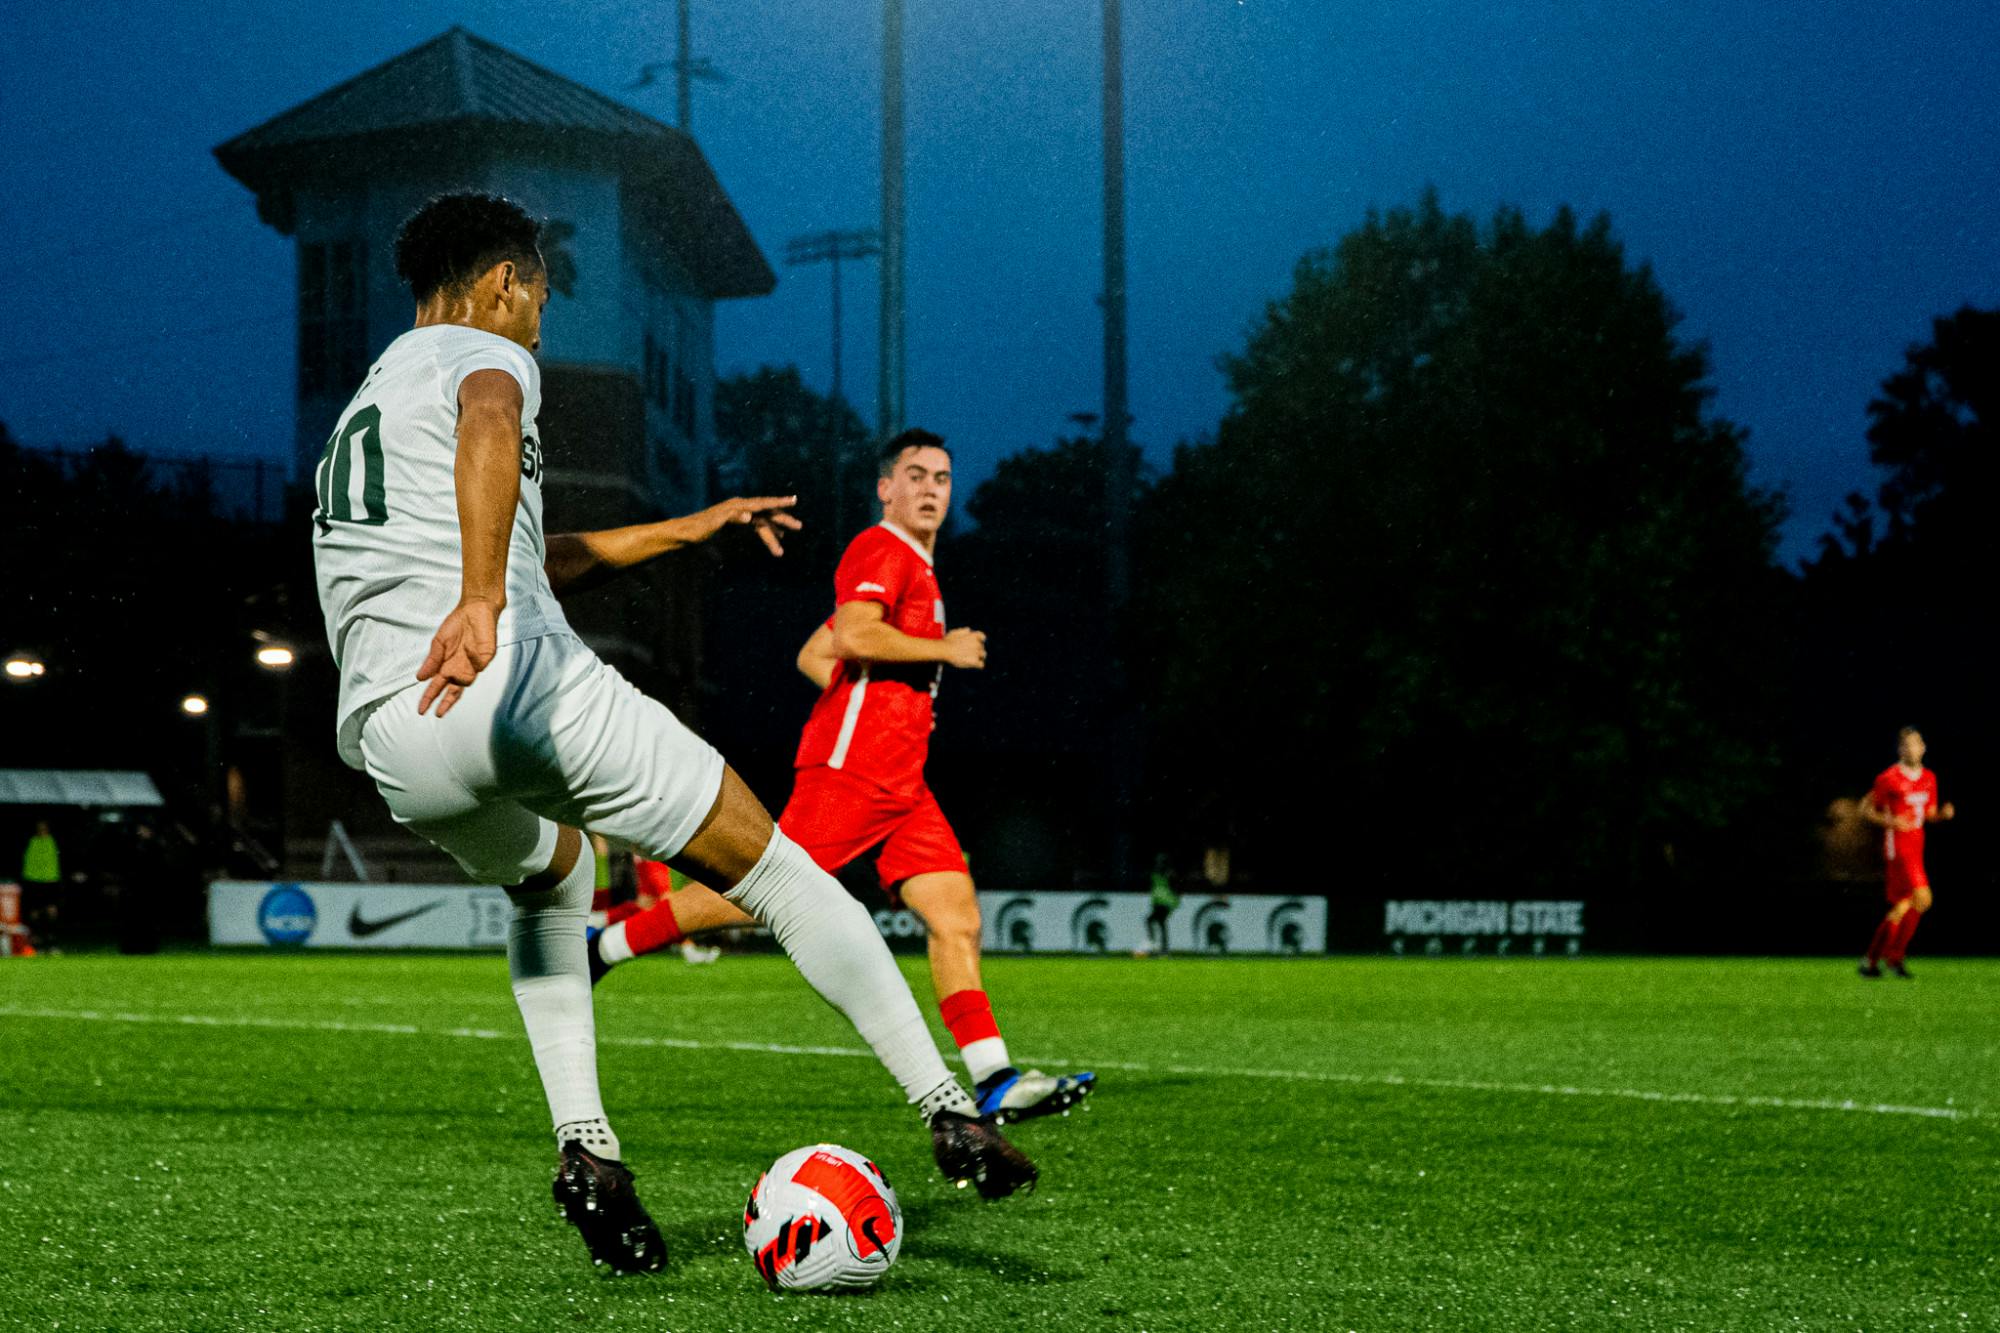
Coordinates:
x,y
780,437
1024,741
135,591
1469,586
1896,615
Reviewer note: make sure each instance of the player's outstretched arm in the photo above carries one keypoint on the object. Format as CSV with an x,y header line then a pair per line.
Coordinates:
x,y
578,560
817,659
860,634
486,474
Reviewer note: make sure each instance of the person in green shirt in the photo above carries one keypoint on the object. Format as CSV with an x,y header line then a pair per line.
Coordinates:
x,y
41,878
1165,900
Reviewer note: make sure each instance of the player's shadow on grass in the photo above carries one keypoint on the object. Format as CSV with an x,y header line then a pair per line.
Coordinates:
x,y
924,1221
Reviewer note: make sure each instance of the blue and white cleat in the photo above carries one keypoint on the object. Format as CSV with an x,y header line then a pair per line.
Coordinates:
x,y
1011,1095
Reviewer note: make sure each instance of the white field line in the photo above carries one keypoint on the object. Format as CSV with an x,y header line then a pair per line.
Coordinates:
x,y
1196,1071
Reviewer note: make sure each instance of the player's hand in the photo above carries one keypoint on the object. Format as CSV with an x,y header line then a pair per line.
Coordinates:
x,y
1947,811
765,513
1908,823
462,648
965,648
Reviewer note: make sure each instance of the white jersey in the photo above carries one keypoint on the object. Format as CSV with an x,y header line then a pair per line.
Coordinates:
x,y
386,544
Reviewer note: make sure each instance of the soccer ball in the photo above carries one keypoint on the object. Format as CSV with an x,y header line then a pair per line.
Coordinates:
x,y
822,1218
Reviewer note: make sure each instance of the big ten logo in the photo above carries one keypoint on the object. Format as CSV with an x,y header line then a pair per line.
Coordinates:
x,y
491,912
1014,926
1211,928
531,459
1284,928
1089,932
902,924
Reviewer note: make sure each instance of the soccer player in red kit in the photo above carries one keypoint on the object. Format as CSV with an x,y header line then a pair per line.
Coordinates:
x,y
1903,800
654,880
860,786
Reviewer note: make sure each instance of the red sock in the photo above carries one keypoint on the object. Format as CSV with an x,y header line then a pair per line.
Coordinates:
x,y
1901,943
621,912
1880,943
969,1015
654,928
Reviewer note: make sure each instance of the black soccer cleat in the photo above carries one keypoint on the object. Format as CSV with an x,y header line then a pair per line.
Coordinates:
x,y
1870,970
1902,971
973,1151
598,1199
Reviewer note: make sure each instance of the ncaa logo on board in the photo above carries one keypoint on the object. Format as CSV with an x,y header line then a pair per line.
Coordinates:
x,y
287,914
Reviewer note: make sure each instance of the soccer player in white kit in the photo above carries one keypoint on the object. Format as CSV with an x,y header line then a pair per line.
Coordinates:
x,y
494,732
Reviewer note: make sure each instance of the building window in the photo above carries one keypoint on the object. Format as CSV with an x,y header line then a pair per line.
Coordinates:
x,y
333,317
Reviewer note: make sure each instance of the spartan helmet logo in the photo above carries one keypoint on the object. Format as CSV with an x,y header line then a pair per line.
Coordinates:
x,y
1088,930
1014,925
1211,928
1283,930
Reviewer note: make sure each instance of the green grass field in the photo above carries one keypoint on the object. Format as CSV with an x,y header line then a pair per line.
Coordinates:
x,y
214,1142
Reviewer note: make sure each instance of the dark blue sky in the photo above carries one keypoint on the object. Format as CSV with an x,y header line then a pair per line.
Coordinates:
x,y
1812,180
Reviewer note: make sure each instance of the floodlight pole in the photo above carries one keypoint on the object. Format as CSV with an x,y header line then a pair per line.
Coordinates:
x,y
687,67
683,72
830,247
1116,413
889,335
1118,479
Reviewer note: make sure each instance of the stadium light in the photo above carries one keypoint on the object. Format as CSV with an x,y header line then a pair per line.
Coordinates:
x,y
195,705
275,656
21,668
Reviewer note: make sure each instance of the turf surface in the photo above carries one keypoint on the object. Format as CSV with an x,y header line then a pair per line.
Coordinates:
x,y
248,1141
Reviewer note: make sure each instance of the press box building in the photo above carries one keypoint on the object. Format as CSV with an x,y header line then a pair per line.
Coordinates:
x,y
641,242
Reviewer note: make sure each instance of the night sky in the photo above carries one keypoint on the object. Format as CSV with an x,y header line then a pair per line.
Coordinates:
x,y
1812,181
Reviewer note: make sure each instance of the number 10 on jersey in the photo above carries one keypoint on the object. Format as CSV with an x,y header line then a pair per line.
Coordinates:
x,y
334,479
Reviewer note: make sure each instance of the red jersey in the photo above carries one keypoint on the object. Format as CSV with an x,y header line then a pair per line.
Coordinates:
x,y
1897,793
874,719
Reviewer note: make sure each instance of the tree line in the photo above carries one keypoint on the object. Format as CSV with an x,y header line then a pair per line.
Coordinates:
x,y
1468,591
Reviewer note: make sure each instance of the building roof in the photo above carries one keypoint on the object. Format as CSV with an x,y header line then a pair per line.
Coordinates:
x,y
76,786
450,96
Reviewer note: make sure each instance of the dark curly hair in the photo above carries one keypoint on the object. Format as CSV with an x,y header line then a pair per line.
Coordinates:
x,y
445,245
916,437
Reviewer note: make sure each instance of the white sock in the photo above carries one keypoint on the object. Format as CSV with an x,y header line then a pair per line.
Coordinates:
x,y
986,1056
551,971
611,945
835,945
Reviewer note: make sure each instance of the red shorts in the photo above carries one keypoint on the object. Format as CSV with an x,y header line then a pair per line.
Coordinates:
x,y
837,817
1906,876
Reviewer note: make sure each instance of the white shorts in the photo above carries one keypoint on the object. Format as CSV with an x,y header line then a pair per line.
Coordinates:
x,y
547,735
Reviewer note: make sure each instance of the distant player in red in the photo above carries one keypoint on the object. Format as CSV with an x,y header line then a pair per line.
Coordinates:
x,y
878,662
654,881
1903,800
